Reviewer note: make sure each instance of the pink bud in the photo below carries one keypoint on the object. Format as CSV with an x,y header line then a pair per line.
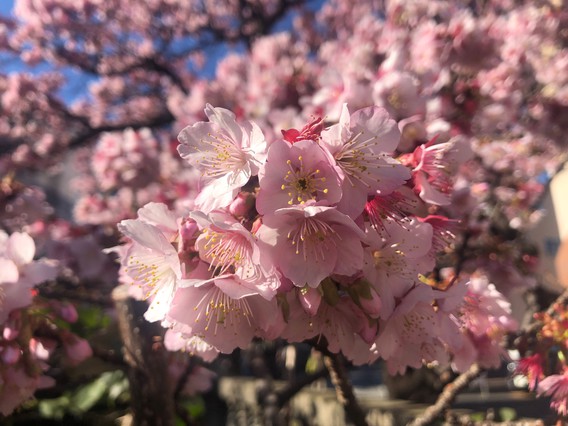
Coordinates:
x,y
10,333
68,313
369,331
77,349
11,354
241,205
310,298
41,348
188,229
372,306
12,326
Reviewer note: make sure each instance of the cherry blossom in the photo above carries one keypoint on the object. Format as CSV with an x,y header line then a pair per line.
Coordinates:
x,y
226,153
308,243
360,144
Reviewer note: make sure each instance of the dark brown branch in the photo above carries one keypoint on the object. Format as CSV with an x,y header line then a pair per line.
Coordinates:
x,y
108,355
149,64
151,400
90,133
447,396
343,388
293,387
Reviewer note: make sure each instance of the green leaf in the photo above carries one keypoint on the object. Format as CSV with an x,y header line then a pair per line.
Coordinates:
x,y
118,389
330,293
507,414
195,407
88,395
92,318
313,364
54,408
478,416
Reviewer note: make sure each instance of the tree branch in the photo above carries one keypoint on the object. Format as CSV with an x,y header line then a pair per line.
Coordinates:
x,y
343,388
447,396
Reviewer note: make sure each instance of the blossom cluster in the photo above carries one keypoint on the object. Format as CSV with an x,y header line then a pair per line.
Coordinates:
x,y
544,356
317,235
29,330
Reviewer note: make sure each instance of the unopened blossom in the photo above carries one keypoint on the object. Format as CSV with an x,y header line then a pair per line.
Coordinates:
x,y
227,154
76,348
360,144
311,131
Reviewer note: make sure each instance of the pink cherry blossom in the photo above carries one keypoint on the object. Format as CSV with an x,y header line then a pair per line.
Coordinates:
x,y
295,174
232,253
19,273
531,366
413,326
393,261
308,243
222,313
433,164
360,144
152,261
174,341
556,386
226,153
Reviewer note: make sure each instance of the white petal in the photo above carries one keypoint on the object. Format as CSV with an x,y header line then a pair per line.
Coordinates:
x,y
21,248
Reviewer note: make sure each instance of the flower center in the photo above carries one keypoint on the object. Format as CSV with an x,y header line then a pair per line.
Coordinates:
x,y
148,273
358,160
221,157
225,251
217,309
303,185
313,238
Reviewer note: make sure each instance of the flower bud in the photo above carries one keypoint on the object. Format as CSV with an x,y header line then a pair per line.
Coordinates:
x,y
310,299
77,349
241,205
11,354
68,313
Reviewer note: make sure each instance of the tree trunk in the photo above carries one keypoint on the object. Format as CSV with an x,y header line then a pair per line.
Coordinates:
x,y
151,394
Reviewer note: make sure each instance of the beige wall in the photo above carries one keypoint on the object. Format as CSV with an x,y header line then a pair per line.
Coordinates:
x,y
551,232
559,191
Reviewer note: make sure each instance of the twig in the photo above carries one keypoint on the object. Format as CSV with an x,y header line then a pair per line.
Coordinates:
x,y
536,324
447,396
293,387
108,355
343,388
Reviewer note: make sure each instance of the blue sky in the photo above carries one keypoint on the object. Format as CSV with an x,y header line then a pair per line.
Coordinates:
x,y
6,6
79,81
